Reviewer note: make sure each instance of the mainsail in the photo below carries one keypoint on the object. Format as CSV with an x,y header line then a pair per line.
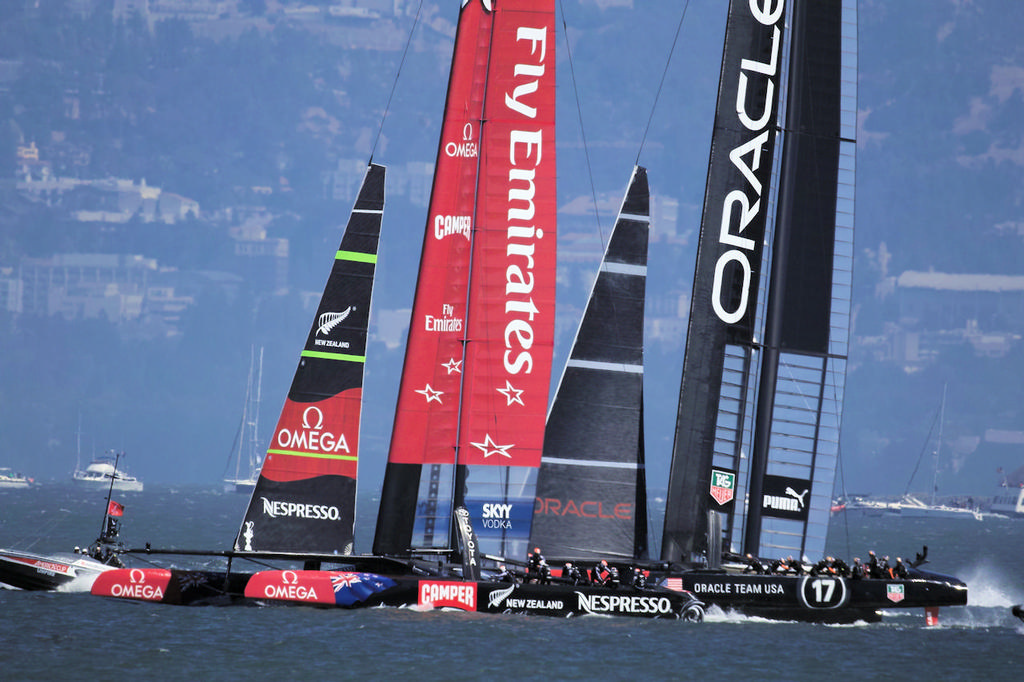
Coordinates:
x,y
591,490
764,368
469,422
304,500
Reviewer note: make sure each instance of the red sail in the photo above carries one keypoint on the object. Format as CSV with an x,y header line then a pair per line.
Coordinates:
x,y
512,293
427,416
478,361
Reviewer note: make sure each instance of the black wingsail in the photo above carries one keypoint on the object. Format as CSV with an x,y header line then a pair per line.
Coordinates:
x,y
591,490
304,501
764,367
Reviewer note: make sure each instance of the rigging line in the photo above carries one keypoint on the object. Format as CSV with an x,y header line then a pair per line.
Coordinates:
x,y
661,84
394,84
579,116
921,454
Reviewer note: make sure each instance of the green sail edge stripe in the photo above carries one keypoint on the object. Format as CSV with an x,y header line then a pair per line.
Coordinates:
x,y
313,455
356,256
333,356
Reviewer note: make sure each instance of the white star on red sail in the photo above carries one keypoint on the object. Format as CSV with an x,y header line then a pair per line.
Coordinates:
x,y
512,394
489,447
453,365
431,394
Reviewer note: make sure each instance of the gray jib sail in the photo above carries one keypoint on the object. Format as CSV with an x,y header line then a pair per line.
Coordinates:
x,y
760,407
591,490
304,500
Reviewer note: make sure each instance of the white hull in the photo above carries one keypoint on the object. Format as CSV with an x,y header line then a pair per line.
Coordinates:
x,y
242,485
12,481
123,485
1009,502
911,507
62,571
99,473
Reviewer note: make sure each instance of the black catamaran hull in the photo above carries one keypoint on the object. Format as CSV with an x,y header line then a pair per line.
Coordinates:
x,y
361,590
352,589
820,599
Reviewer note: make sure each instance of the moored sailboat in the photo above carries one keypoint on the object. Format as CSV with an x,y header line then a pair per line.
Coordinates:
x,y
247,450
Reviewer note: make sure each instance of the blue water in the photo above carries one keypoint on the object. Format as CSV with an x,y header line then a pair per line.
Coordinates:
x,y
49,636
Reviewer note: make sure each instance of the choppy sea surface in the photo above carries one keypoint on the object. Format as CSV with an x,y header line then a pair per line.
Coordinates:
x,y
51,636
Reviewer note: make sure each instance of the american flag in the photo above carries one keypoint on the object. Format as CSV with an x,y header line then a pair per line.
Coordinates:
x,y
674,584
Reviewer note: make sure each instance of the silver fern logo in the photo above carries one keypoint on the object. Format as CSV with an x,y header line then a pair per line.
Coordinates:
x,y
498,596
329,321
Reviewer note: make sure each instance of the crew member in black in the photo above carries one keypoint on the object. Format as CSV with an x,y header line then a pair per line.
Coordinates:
x,y
600,574
572,574
900,570
754,565
823,567
533,564
639,579
504,575
840,568
874,570
795,565
857,570
613,577
545,573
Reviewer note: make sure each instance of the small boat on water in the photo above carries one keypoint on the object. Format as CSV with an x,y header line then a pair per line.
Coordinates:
x,y
13,480
102,472
1009,497
67,571
71,571
911,507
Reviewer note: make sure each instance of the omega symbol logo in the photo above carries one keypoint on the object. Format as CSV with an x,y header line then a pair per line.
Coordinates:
x,y
319,418
137,576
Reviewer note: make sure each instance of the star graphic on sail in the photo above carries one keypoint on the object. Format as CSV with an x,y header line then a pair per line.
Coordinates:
x,y
512,394
453,365
431,394
489,447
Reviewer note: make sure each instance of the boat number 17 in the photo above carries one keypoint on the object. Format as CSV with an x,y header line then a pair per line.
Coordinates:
x,y
823,593
823,590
